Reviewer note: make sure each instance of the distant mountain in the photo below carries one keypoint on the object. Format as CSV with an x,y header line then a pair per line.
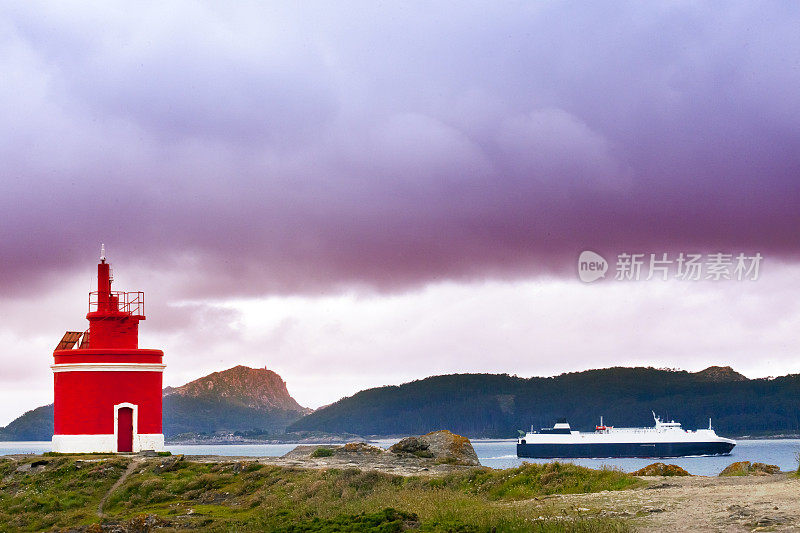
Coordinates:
x,y
33,425
719,374
256,388
492,405
237,399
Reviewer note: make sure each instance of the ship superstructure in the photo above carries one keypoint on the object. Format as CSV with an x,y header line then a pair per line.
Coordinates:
x,y
664,439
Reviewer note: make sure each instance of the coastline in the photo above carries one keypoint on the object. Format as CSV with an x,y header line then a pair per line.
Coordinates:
x,y
498,454
373,438
121,492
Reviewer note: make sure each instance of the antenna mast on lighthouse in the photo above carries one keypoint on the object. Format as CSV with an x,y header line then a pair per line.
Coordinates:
x,y
102,253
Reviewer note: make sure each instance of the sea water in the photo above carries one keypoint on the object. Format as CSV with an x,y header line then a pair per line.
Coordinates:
x,y
503,454
781,452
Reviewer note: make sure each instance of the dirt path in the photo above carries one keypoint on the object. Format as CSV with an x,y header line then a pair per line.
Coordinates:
x,y
695,503
134,464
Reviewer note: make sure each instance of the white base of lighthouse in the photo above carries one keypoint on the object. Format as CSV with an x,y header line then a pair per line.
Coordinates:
x,y
105,443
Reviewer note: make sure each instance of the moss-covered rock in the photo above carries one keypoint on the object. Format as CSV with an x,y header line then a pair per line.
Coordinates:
x,y
451,448
443,446
661,469
360,447
746,468
408,445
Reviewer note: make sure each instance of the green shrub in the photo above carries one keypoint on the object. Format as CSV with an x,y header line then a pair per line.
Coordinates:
x,y
322,452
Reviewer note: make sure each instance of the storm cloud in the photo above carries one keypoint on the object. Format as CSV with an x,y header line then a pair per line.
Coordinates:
x,y
312,147
329,189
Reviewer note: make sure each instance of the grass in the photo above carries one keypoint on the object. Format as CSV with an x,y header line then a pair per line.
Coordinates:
x,y
62,492
530,480
249,496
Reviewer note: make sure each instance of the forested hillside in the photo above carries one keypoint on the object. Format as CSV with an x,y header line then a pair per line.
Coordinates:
x,y
36,424
477,405
497,405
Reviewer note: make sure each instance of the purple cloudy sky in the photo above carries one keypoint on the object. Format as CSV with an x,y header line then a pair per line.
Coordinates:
x,y
399,186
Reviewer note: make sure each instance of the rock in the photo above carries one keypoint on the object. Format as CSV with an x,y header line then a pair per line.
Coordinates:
x,y
301,452
766,521
447,447
168,464
436,451
660,486
764,468
147,523
661,469
746,468
412,445
359,447
35,466
738,512
740,468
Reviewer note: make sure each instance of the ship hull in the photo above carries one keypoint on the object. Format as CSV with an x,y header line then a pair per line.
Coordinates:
x,y
621,449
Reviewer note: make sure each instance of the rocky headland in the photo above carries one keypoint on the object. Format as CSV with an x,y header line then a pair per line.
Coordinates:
x,y
433,453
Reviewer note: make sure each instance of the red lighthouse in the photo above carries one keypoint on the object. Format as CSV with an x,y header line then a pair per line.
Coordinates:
x,y
107,389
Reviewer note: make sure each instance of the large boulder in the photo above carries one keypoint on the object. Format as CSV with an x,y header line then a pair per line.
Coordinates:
x,y
746,468
413,446
442,446
661,469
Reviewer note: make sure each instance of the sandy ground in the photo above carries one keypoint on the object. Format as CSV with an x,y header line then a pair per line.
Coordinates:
x,y
696,503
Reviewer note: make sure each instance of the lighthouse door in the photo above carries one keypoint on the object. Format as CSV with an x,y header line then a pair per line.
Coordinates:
x,y
125,430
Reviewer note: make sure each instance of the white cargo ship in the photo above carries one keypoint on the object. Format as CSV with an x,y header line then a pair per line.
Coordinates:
x,y
665,439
